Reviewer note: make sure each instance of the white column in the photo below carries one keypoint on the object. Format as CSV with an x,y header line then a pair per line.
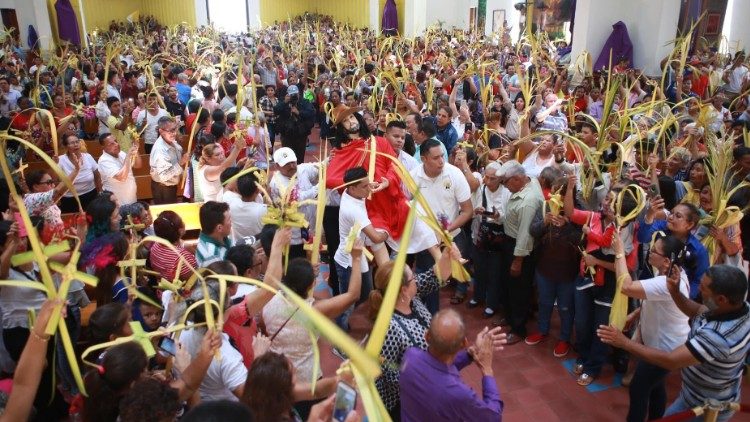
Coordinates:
x,y
651,25
375,15
42,24
253,10
415,17
201,13
739,29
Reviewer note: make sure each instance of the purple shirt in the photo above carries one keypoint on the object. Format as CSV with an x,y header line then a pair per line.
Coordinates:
x,y
424,377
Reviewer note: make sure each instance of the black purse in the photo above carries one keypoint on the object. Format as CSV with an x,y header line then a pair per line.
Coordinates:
x,y
490,236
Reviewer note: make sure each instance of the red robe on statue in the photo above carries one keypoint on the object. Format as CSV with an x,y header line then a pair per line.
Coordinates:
x,y
388,208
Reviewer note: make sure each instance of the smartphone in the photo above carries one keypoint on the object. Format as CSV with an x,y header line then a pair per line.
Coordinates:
x,y
468,127
167,344
653,190
346,399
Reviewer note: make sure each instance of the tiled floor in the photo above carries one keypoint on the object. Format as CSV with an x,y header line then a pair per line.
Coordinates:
x,y
534,384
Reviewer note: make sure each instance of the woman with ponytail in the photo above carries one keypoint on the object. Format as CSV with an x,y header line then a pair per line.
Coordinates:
x,y
124,364
121,366
409,323
101,256
212,163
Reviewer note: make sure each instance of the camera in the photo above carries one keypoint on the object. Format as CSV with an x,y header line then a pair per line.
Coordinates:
x,y
293,98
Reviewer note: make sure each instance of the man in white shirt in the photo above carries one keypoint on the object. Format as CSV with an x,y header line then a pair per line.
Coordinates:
x,y
10,96
447,192
166,162
244,207
113,81
735,76
718,114
150,118
116,166
353,211
305,187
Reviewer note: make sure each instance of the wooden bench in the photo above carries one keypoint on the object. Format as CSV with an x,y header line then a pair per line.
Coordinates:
x,y
188,211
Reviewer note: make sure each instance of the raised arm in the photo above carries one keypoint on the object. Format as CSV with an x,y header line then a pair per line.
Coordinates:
x,y
452,100
256,300
687,306
336,305
193,375
30,367
9,249
61,187
631,288
213,172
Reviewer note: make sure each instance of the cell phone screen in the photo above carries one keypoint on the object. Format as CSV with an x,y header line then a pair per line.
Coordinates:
x,y
167,344
346,399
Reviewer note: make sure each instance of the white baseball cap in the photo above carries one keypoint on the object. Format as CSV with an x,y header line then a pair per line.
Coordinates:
x,y
284,156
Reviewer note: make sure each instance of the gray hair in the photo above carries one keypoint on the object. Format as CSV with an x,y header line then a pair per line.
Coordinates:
x,y
492,168
182,77
682,153
513,168
164,121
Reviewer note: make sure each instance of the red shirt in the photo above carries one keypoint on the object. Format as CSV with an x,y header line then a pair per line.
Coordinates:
x,y
164,261
599,237
241,328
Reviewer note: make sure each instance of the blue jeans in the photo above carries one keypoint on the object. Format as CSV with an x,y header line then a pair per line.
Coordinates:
x,y
487,278
588,317
648,394
563,291
344,273
463,242
680,405
73,322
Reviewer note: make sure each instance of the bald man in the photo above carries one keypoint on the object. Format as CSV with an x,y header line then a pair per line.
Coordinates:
x,y
435,373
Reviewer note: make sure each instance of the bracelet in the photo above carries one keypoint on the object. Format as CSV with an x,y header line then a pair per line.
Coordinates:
x,y
38,337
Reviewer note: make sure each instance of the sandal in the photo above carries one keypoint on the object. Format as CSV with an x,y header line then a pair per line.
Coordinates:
x,y
457,298
585,379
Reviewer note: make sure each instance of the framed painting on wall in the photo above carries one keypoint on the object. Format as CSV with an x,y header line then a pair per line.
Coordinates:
x,y
498,17
713,24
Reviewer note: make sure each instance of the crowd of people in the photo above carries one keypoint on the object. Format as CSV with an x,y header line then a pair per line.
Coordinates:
x,y
517,182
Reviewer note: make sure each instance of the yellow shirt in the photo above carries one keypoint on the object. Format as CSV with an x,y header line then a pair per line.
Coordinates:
x,y
122,138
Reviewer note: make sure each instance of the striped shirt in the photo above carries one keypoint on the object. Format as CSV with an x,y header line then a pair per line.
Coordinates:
x,y
720,343
164,260
210,251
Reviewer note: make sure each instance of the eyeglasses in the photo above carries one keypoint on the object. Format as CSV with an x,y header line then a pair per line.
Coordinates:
x,y
653,251
47,182
170,130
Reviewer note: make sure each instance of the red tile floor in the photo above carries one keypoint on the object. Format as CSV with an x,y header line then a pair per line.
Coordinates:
x,y
534,385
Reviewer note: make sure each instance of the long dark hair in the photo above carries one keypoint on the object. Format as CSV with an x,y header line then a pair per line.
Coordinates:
x,y
268,389
111,249
122,365
99,212
341,135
